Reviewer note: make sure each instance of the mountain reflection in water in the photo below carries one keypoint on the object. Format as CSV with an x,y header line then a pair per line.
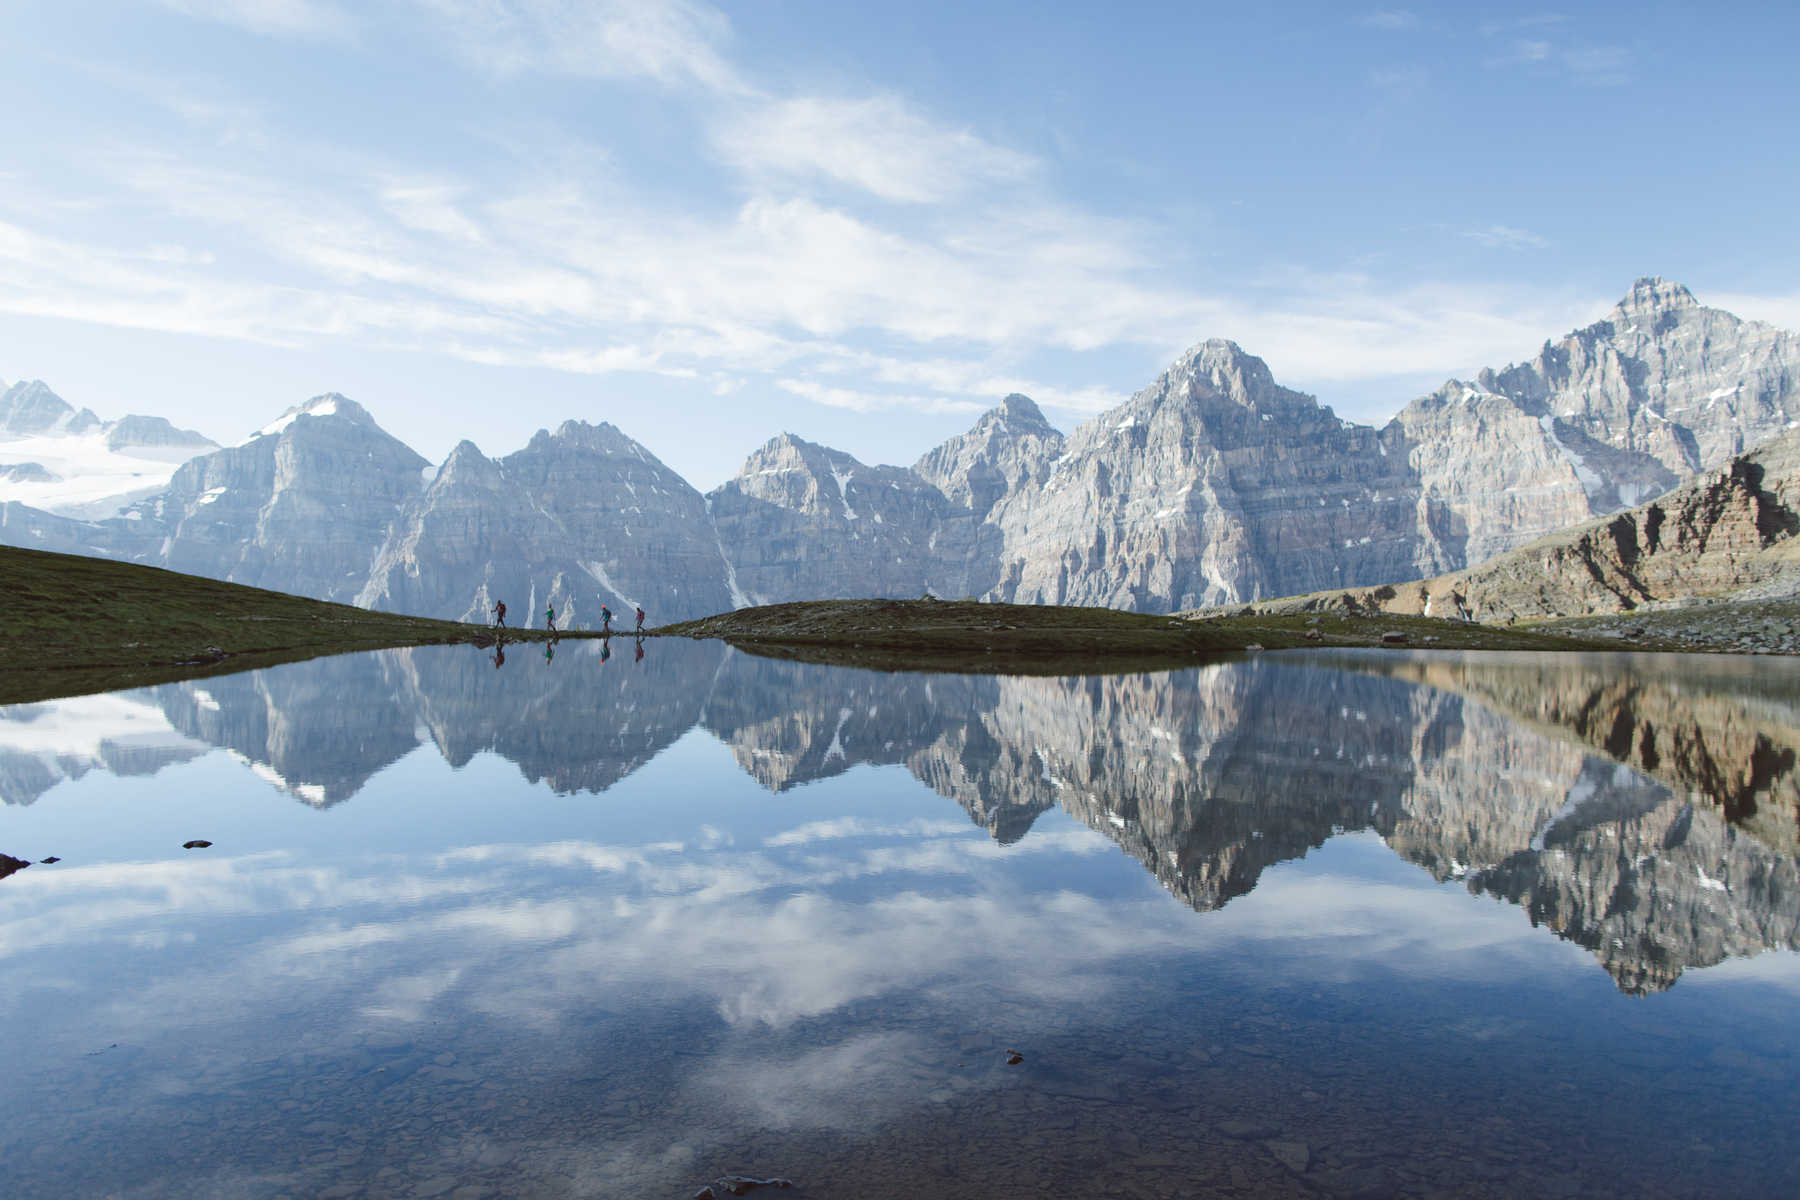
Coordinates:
x,y
588,926
1642,807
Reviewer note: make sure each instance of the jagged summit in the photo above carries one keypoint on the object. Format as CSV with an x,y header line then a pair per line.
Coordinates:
x,y
1222,365
1654,294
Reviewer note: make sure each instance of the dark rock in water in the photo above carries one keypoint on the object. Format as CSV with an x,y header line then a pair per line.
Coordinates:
x,y
1394,637
1014,1058
738,1185
49,860
9,864
196,844
1247,1131
705,1193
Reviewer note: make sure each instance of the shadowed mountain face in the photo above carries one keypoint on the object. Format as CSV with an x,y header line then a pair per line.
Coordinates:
x,y
1643,808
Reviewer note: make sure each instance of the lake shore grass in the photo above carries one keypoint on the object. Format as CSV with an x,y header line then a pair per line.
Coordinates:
x,y
965,636
76,625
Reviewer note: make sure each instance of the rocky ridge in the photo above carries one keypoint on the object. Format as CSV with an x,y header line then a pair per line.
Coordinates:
x,y
1727,535
1215,485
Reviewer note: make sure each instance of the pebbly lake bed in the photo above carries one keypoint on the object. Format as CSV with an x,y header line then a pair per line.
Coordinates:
x,y
1384,923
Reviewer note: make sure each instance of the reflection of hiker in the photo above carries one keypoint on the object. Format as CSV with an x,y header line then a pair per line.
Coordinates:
x,y
640,627
605,619
500,614
550,618
605,652
549,652
499,655
640,651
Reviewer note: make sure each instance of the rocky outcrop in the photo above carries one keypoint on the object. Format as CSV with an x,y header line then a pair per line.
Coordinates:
x,y
1728,534
1603,419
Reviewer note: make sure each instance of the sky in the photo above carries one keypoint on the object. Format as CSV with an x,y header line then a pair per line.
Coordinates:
x,y
709,224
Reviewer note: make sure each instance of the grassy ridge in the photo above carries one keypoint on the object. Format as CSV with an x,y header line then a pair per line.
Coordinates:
x,y
960,636
75,625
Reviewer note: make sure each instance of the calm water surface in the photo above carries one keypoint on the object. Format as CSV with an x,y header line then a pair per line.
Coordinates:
x,y
1367,925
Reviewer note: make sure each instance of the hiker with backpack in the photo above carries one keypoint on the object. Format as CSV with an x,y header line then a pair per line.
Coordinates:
x,y
500,614
640,615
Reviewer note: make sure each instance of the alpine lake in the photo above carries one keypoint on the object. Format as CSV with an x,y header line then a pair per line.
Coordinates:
x,y
646,919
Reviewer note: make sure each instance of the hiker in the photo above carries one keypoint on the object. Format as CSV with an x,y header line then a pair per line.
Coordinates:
x,y
500,614
605,619
640,627
550,618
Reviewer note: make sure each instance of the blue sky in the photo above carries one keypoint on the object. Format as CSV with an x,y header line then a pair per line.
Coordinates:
x,y
708,224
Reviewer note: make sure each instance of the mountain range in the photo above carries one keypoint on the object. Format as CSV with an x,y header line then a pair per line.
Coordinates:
x,y
1213,485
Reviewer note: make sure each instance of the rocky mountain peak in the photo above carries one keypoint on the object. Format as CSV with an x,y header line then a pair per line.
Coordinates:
x,y
327,404
31,407
1020,413
1653,295
1223,367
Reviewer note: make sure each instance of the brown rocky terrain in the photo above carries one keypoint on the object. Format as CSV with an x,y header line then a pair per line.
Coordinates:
x,y
1725,536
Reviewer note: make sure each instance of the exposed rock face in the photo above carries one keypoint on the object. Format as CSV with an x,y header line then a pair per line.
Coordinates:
x,y
1214,484
1604,419
1729,533
1011,447
578,519
801,520
302,506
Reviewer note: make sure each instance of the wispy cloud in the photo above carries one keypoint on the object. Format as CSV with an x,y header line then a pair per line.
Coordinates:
x,y
1506,237
878,144
1396,20
1540,42
303,18
673,42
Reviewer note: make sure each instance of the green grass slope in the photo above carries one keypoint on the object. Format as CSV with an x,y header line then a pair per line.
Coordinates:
x,y
75,625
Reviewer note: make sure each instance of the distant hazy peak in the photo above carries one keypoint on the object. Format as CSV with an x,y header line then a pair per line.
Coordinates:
x,y
31,407
329,404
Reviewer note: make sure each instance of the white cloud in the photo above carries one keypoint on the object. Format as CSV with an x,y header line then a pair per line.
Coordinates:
x,y
304,18
1506,237
1396,20
673,42
877,144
